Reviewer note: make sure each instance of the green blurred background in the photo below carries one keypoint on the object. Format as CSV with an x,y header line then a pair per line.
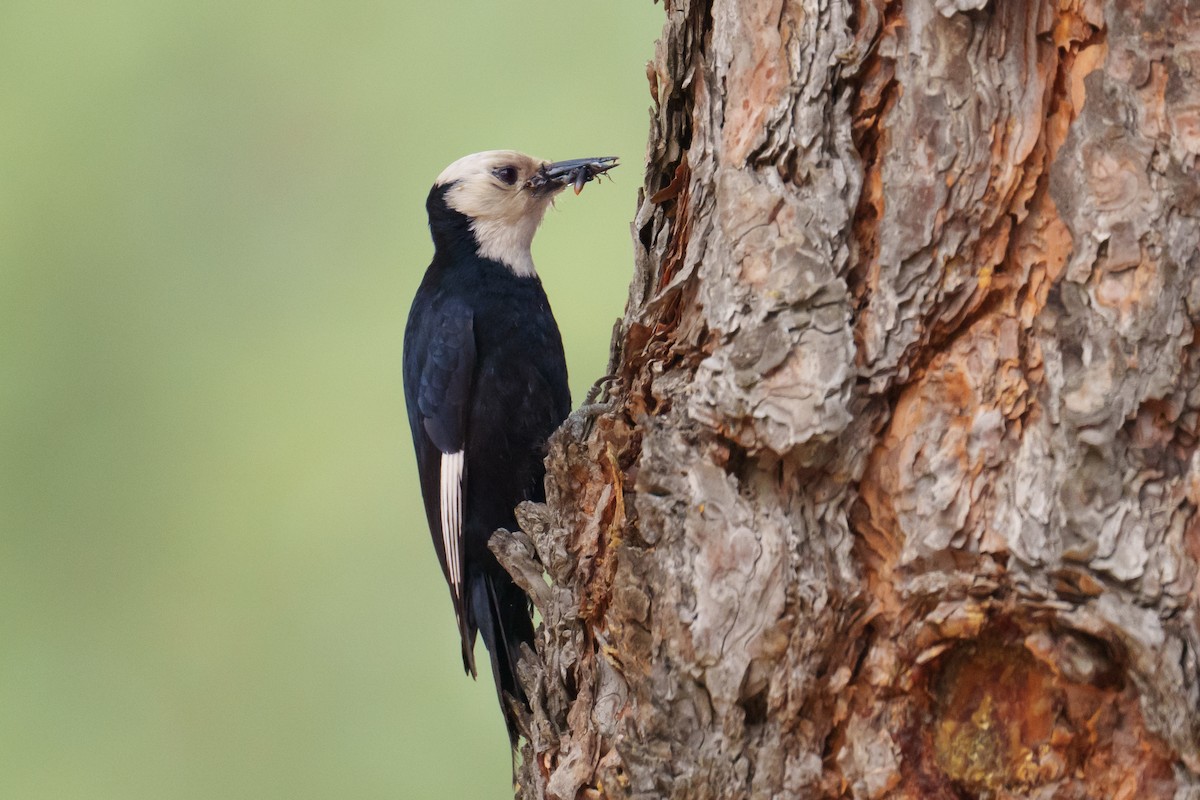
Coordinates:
x,y
215,578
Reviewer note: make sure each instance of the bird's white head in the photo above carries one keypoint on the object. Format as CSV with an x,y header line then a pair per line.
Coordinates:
x,y
505,194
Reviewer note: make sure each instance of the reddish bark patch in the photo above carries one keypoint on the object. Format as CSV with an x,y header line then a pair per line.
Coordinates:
x,y
1015,710
995,715
597,590
975,277
1007,720
758,79
876,95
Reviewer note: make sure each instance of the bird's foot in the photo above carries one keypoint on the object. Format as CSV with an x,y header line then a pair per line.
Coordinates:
x,y
601,386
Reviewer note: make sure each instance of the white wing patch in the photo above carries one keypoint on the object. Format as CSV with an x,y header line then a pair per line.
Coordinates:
x,y
452,514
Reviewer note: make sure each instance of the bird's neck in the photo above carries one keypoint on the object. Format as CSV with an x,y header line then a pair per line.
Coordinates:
x,y
507,243
504,242
457,262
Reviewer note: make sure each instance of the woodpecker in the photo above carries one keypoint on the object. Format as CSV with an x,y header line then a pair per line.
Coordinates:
x,y
485,382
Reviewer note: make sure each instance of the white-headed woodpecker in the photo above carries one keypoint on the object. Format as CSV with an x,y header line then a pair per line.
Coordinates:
x,y
486,384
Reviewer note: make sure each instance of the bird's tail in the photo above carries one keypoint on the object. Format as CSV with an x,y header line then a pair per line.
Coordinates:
x,y
501,613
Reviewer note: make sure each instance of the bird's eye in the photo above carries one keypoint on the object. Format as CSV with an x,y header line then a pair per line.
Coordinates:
x,y
506,174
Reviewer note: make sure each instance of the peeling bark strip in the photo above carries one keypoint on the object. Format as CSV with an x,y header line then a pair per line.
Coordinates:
x,y
896,492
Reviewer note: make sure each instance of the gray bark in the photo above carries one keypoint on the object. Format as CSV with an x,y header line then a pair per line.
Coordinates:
x,y
895,490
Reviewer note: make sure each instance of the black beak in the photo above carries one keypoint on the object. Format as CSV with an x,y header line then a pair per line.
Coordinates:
x,y
576,172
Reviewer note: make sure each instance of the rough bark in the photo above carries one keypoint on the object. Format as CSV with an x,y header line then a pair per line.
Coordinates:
x,y
895,491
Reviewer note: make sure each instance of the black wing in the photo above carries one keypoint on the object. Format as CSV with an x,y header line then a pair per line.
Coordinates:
x,y
439,363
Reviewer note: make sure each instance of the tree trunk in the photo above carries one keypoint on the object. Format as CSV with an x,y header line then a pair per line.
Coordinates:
x,y
895,491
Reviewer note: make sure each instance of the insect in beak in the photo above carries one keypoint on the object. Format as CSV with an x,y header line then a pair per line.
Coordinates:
x,y
575,173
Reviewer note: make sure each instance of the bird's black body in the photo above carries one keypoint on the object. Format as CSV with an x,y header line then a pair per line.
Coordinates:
x,y
484,374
